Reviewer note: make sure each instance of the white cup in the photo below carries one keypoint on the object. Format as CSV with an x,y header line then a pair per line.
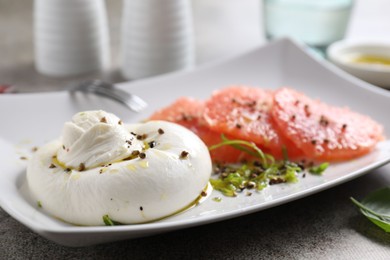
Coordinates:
x,y
70,36
157,37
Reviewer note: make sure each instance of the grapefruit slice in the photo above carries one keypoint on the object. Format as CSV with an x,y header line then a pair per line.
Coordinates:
x,y
245,113
321,131
188,112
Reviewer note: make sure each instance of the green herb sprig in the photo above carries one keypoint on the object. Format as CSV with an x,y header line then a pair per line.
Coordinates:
x,y
260,173
376,207
109,222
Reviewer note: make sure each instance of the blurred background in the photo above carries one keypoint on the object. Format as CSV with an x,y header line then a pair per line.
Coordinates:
x,y
222,28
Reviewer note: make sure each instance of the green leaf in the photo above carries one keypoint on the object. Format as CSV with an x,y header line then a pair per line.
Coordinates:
x,y
109,222
319,169
376,207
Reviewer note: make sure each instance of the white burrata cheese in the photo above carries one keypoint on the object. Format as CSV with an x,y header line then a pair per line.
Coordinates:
x,y
131,173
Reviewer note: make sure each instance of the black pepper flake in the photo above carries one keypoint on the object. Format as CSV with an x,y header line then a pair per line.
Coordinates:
x,y
297,102
293,117
142,137
307,111
128,142
135,153
250,185
81,167
238,126
276,181
100,171
120,122
324,121
251,103
344,127
203,193
184,155
142,155
326,141
258,117
51,166
141,208
23,158
160,131
68,169
63,147
103,120
152,144
186,117
34,149
314,142
133,133
224,174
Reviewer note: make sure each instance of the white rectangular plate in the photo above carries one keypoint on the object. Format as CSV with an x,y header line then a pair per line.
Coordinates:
x,y
29,120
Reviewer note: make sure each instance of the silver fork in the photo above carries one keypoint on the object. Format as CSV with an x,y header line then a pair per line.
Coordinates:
x,y
108,90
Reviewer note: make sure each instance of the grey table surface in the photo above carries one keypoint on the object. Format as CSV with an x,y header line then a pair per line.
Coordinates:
x,y
323,226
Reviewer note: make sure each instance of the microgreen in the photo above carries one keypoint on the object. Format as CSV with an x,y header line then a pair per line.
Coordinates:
x,y
260,173
318,170
245,146
376,207
109,222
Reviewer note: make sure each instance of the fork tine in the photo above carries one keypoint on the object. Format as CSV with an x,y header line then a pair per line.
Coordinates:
x,y
108,90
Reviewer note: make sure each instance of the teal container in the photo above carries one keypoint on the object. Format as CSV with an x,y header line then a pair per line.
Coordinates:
x,y
318,23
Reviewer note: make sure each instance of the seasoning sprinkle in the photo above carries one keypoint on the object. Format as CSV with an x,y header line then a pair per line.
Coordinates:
x,y
141,208
120,122
81,167
152,144
238,126
313,142
323,121
142,155
344,127
293,118
160,131
203,193
184,155
51,166
23,158
103,120
142,137
34,149
307,111
250,185
186,117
